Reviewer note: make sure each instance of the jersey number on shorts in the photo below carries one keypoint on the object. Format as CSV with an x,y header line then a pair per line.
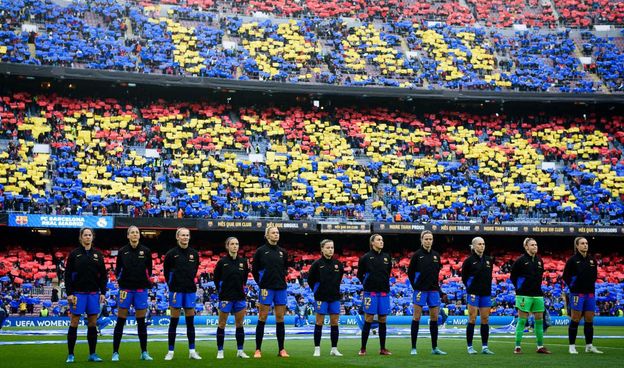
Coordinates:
x,y
264,293
418,296
367,302
123,295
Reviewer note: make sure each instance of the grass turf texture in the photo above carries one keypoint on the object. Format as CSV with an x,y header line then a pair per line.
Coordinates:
x,y
301,348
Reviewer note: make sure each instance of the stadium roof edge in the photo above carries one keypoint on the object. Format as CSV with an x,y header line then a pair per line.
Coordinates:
x,y
222,85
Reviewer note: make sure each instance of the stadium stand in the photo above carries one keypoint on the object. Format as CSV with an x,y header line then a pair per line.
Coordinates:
x,y
212,161
585,13
505,13
607,60
402,44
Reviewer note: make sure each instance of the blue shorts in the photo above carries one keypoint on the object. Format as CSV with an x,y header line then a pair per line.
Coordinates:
x,y
182,300
138,298
376,303
232,307
430,298
479,301
327,307
272,296
583,302
86,302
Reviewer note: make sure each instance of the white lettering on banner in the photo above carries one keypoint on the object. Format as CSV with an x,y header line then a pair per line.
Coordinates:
x,y
455,228
609,230
66,221
39,323
215,321
24,324
590,230
52,323
62,222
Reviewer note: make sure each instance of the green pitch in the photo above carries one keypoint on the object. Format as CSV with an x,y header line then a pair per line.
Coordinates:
x,y
42,352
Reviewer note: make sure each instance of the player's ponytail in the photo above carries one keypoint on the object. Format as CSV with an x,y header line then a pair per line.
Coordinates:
x,y
526,241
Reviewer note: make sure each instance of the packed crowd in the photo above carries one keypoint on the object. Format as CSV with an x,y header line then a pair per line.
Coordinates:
x,y
318,47
500,13
199,159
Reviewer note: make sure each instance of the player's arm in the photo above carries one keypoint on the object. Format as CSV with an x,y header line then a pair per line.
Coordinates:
x,y
168,267
69,275
516,269
568,272
246,270
362,269
103,273
313,277
465,272
196,265
341,269
256,266
412,269
149,264
286,260
217,274
118,265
